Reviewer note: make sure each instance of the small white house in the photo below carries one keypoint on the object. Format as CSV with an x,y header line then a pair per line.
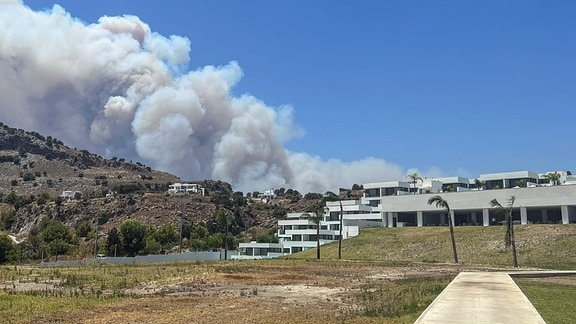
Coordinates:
x,y
67,194
185,188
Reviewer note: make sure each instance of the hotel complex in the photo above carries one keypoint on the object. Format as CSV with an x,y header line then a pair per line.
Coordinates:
x,y
400,204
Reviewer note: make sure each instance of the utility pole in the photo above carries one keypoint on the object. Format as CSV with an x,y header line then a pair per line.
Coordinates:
x,y
180,248
96,240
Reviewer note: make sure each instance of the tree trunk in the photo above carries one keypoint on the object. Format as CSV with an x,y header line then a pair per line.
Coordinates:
x,y
226,242
318,237
513,242
340,238
452,237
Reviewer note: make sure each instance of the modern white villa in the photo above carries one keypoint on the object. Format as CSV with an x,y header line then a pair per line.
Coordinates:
x,y
537,200
185,188
297,233
402,203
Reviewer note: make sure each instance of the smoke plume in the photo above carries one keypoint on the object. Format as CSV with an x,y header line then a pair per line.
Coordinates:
x,y
117,88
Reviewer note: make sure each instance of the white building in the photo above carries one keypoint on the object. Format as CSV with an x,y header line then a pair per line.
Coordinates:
x,y
70,195
185,188
296,233
399,204
537,201
267,196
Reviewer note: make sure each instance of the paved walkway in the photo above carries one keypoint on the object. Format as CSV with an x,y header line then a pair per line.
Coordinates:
x,y
481,297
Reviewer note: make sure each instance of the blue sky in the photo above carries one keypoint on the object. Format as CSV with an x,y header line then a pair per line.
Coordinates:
x,y
466,87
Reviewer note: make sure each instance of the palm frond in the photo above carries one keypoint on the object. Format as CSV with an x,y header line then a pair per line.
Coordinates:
x,y
511,201
439,202
495,203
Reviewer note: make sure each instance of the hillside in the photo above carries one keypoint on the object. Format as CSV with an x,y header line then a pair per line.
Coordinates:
x,y
35,170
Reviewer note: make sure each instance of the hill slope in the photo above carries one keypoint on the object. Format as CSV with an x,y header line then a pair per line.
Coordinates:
x,y
35,170
539,246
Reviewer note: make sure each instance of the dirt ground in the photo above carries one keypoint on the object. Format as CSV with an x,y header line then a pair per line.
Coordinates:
x,y
283,294
276,293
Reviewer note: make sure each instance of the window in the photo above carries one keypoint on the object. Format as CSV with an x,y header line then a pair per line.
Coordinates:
x,y
374,192
334,216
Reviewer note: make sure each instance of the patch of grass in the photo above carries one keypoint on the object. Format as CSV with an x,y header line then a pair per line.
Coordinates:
x,y
406,298
24,308
539,246
554,301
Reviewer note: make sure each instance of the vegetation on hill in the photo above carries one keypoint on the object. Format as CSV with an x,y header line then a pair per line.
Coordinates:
x,y
106,193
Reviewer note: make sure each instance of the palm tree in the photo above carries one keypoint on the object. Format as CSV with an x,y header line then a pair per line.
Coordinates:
x,y
224,218
553,177
441,203
414,178
509,237
479,184
317,219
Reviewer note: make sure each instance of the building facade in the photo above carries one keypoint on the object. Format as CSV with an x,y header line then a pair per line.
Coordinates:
x,y
185,188
296,233
401,204
538,201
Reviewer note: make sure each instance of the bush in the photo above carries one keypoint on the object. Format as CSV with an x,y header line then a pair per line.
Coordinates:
x,y
28,177
84,229
42,198
128,188
267,238
6,247
132,237
7,219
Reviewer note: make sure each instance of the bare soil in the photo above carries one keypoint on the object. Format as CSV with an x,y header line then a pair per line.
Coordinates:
x,y
305,293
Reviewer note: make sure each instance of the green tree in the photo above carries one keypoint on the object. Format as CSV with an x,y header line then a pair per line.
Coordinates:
x,y
224,218
509,239
132,237
112,241
441,203
214,241
267,238
197,245
85,229
414,178
199,232
6,247
7,219
56,238
152,246
42,198
553,177
479,184
166,236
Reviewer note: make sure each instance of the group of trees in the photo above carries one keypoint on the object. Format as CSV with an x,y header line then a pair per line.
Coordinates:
x,y
509,239
134,238
52,238
47,238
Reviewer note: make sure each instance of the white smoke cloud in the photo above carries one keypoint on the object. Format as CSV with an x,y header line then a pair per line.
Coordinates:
x,y
118,89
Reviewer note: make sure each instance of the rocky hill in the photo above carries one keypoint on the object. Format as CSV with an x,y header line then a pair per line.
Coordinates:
x,y
35,170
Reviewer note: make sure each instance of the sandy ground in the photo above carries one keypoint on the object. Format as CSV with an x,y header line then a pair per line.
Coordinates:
x,y
308,294
305,293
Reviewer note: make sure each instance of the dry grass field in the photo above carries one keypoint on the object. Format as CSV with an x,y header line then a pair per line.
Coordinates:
x,y
386,276
272,291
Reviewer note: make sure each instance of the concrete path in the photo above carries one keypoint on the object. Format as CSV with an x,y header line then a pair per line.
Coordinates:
x,y
481,297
